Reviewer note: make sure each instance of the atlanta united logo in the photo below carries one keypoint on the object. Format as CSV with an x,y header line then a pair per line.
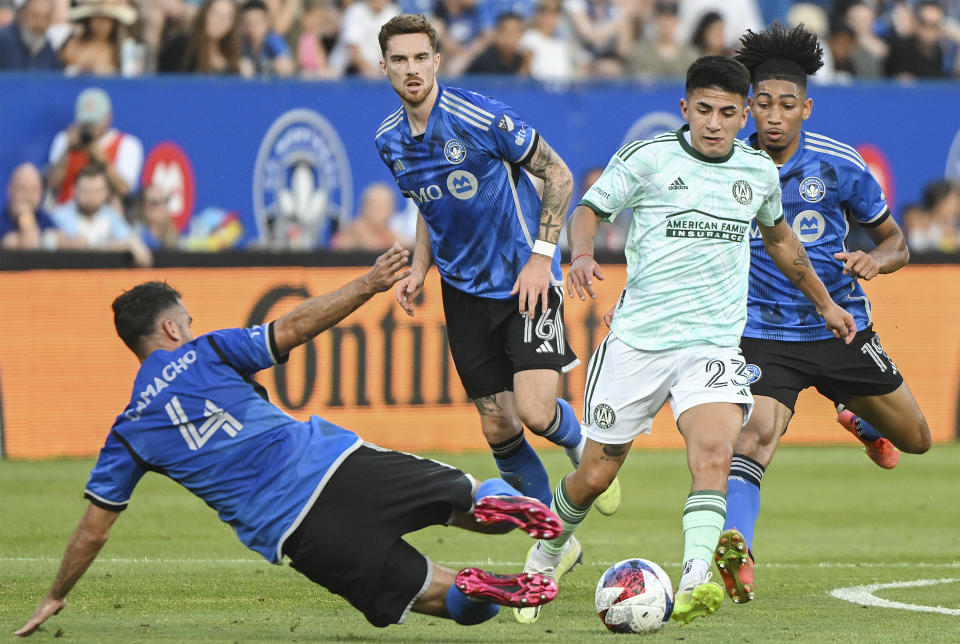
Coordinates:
x,y
455,151
301,180
742,192
812,189
603,416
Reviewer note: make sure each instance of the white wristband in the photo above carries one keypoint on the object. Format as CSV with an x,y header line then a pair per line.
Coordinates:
x,y
541,247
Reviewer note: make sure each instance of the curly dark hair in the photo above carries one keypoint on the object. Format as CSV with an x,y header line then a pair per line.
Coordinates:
x,y
782,53
135,312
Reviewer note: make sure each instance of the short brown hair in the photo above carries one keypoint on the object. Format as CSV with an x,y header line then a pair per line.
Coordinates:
x,y
407,24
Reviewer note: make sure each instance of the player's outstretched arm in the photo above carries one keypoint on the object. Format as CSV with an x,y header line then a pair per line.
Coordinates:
x,y
890,254
322,312
410,286
581,233
790,258
533,283
88,538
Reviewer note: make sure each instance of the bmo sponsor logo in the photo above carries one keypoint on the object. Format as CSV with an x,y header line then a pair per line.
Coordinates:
x,y
168,167
460,184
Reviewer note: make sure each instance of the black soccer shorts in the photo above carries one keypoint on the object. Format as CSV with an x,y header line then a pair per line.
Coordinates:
x,y
839,371
350,541
490,341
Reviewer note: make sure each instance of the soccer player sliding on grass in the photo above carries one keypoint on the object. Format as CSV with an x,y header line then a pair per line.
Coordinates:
x,y
676,329
311,491
825,186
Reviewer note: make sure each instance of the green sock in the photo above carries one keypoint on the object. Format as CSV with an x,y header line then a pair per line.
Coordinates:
x,y
703,517
572,515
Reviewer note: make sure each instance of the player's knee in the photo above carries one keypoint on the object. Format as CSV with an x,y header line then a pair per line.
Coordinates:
x,y
538,418
596,480
919,440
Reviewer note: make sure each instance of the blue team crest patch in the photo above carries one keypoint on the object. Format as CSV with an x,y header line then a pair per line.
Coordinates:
x,y
752,372
812,189
455,151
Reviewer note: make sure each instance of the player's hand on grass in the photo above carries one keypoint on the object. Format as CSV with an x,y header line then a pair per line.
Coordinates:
x,y
47,608
388,269
533,284
580,277
840,323
858,264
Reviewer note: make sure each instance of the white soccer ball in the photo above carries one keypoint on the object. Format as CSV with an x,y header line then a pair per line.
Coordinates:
x,y
634,596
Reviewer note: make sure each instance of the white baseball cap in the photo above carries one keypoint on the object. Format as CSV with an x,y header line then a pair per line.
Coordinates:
x,y
93,106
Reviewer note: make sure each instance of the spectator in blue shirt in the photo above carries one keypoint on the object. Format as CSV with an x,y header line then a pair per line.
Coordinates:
x,y
89,221
23,43
23,223
263,47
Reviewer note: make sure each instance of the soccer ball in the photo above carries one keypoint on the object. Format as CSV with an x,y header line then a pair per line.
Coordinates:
x,y
634,596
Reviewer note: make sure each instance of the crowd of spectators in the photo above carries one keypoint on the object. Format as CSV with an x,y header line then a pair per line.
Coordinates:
x,y
88,195
545,39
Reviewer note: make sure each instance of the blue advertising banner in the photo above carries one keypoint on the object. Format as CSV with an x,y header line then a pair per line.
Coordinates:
x,y
285,158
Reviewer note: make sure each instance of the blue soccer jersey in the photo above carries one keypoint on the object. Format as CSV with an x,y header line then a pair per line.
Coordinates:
x,y
823,184
197,416
465,177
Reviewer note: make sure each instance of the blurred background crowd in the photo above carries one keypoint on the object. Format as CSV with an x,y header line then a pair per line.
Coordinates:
x,y
88,196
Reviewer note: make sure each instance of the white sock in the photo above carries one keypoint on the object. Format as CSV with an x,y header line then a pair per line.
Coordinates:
x,y
694,570
576,453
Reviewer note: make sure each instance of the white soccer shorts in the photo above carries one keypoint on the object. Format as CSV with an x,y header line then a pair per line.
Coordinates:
x,y
626,387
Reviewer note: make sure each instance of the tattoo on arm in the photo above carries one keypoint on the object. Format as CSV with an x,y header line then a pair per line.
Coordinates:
x,y
488,405
614,451
802,261
557,190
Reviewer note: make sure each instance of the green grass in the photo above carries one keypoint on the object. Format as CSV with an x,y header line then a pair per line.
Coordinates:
x,y
172,572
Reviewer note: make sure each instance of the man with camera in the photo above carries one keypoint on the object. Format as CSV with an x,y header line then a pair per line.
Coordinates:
x,y
91,138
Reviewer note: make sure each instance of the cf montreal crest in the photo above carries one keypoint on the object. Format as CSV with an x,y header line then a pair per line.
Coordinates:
x,y
812,189
455,151
301,182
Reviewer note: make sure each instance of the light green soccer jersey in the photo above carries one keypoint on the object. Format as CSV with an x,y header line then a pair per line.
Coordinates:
x,y
688,250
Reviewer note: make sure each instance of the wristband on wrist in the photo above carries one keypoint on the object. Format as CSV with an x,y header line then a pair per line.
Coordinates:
x,y
541,247
579,256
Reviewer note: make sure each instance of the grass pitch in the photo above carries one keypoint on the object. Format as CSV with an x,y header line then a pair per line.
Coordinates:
x,y
831,520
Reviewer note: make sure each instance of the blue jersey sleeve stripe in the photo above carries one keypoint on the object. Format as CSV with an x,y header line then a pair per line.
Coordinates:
x,y
517,206
105,504
876,221
389,125
481,113
142,463
313,497
836,153
463,116
272,348
820,139
394,114
534,141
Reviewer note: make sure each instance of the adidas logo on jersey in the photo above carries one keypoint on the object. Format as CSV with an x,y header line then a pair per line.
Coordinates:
x,y
398,166
546,347
678,184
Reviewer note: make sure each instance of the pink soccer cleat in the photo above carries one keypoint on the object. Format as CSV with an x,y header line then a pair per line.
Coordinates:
x,y
518,591
528,514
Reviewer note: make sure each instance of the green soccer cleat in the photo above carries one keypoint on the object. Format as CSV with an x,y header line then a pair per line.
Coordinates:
x,y
735,564
547,565
697,599
609,502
